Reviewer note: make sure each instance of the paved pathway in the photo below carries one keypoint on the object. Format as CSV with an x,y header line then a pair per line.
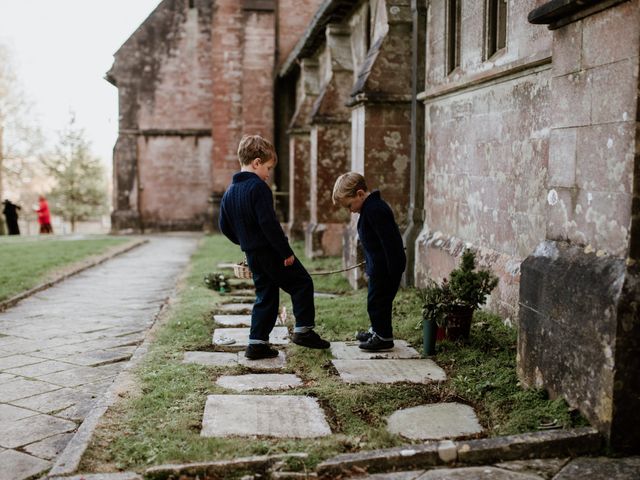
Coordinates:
x,y
61,348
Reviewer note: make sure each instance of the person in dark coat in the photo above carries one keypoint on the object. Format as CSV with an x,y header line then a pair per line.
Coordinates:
x,y
383,251
248,219
10,212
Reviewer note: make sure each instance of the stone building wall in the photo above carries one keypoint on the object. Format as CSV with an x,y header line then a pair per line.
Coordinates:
x,y
487,137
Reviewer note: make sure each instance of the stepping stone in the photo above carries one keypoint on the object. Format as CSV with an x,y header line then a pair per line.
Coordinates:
x,y
264,364
244,292
389,371
282,416
324,295
211,359
434,422
244,300
279,336
225,266
235,308
17,465
259,381
351,351
233,320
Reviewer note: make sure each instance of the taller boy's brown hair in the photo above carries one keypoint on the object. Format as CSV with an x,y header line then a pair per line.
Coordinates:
x,y
254,146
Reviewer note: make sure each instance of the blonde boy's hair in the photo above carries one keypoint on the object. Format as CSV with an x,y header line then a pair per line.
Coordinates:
x,y
254,146
347,185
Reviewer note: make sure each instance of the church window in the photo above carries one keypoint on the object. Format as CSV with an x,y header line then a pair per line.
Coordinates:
x,y
453,35
495,26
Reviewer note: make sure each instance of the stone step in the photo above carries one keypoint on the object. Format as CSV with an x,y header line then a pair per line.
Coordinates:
x,y
221,359
234,308
435,422
389,371
281,416
351,351
260,381
279,336
233,320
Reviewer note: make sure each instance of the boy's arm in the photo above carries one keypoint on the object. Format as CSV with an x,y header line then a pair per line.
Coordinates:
x,y
266,216
384,224
225,225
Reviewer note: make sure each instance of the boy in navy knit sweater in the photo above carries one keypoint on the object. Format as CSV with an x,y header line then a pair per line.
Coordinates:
x,y
383,251
248,219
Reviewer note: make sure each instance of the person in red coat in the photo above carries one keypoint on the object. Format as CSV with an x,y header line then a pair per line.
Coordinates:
x,y
44,217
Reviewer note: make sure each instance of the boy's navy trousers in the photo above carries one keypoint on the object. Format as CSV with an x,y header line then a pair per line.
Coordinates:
x,y
269,276
382,291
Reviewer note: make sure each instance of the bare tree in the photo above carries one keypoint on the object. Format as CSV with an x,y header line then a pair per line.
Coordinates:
x,y
81,184
20,137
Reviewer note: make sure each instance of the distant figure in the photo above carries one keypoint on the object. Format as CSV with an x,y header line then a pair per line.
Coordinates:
x,y
10,212
44,217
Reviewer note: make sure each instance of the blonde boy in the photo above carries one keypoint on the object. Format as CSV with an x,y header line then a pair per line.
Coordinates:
x,y
384,255
248,219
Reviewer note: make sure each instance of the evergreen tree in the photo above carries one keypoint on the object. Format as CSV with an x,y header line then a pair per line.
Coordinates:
x,y
81,186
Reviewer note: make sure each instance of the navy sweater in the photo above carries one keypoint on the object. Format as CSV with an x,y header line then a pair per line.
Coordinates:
x,y
380,238
247,217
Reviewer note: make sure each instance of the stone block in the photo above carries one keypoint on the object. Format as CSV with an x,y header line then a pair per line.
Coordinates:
x,y
234,308
211,359
32,429
350,351
9,413
601,468
18,466
264,364
389,371
477,473
613,89
13,361
279,336
21,388
281,416
233,320
571,100
601,35
545,467
261,381
434,422
49,448
567,49
562,157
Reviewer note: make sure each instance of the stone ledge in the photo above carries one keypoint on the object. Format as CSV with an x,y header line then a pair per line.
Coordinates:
x,y
217,470
81,266
558,443
558,13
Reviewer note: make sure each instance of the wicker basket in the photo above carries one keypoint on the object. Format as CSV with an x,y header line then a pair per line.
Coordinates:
x,y
241,270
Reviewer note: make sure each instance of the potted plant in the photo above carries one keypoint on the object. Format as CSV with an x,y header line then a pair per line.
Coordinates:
x,y
451,303
436,302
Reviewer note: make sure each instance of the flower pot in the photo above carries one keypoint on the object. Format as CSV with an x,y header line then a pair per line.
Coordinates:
x,y
459,323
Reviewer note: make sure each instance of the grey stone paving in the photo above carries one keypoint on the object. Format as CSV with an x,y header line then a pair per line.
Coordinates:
x,y
279,336
283,416
61,348
235,308
233,320
261,381
264,364
211,359
351,351
601,468
475,473
434,422
389,371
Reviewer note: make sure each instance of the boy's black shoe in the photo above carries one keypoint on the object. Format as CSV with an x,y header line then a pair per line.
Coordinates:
x,y
310,339
256,351
363,336
376,344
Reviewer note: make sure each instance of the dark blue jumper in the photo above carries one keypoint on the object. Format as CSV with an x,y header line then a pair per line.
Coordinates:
x,y
384,253
248,219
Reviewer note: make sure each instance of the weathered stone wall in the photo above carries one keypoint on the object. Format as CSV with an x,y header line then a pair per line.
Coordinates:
x,y
487,136
163,76
579,318
293,18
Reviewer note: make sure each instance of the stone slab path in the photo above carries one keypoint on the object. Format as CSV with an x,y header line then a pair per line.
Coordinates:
x,y
233,320
279,336
221,359
436,421
389,371
61,348
350,351
282,416
264,381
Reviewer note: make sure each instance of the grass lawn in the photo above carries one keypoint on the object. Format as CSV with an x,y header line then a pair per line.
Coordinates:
x,y
29,261
161,422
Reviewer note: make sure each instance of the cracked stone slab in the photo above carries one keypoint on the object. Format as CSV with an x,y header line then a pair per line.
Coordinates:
x,y
282,416
351,351
211,359
17,361
21,388
102,476
49,448
434,422
476,473
389,371
101,357
54,401
260,381
235,308
279,336
601,468
264,364
9,413
18,465
233,320
33,429
39,369
544,467
415,475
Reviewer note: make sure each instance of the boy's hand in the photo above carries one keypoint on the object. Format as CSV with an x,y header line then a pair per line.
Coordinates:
x,y
289,261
